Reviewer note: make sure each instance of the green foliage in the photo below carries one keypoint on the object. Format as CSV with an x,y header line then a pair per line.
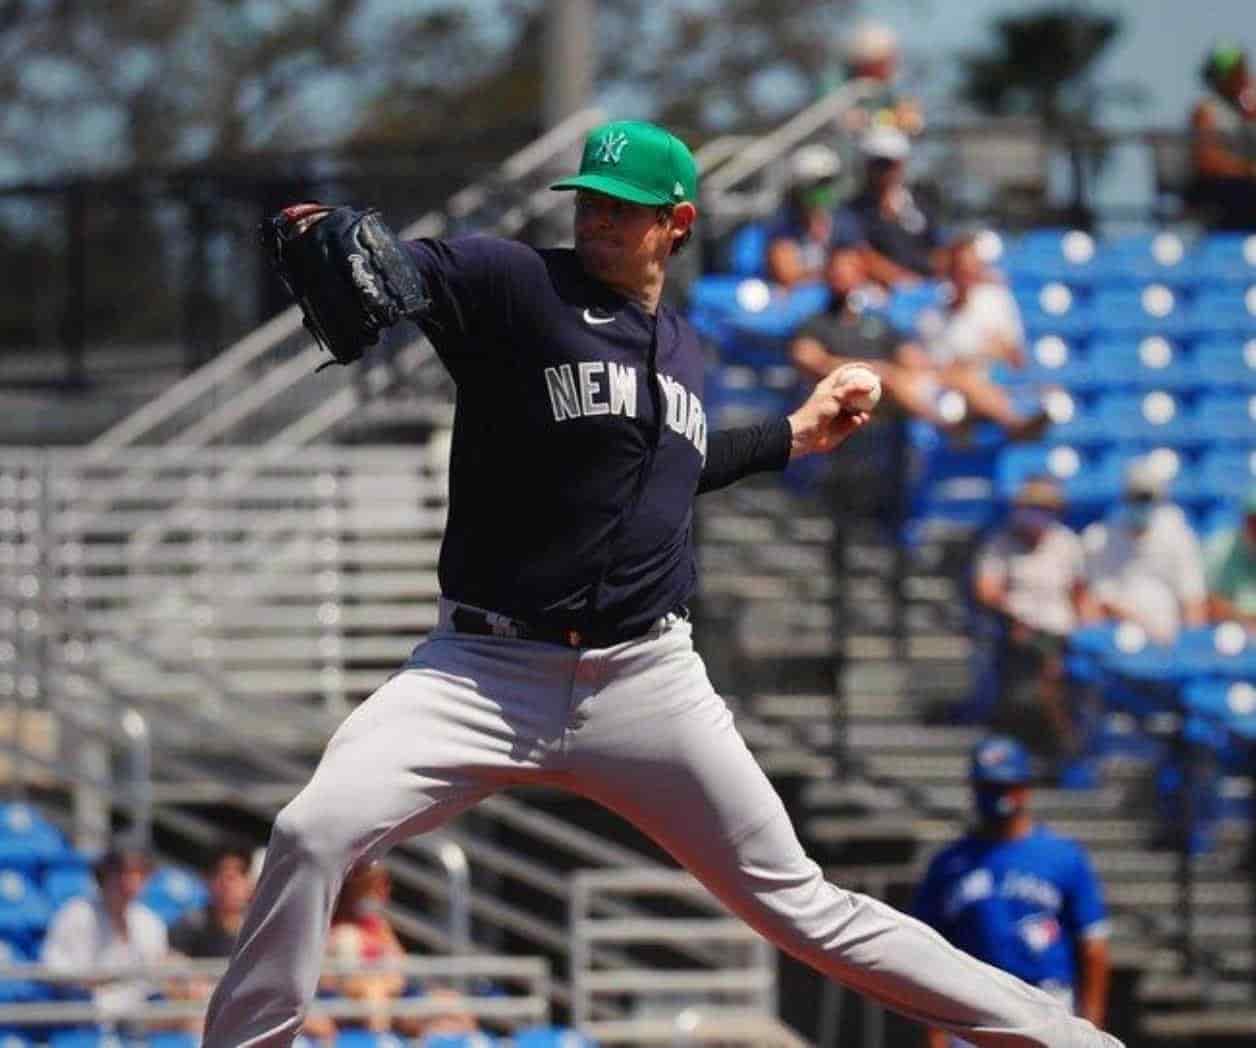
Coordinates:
x,y
1042,64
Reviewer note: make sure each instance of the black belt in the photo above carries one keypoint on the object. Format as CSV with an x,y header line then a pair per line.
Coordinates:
x,y
490,624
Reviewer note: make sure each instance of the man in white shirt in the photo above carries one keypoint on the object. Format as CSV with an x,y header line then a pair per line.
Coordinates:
x,y
1144,563
1029,574
110,929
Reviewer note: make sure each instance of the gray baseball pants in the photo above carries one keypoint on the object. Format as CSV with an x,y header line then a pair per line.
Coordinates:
x,y
638,728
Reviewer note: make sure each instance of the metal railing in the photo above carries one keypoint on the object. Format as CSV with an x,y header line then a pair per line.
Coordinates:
x,y
743,977
528,1005
202,387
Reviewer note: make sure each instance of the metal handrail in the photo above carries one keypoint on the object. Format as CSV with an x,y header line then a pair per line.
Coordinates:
x,y
288,323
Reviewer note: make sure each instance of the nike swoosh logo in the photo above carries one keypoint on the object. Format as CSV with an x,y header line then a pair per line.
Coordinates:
x,y
589,318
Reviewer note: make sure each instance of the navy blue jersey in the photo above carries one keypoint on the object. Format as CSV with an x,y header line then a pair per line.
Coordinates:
x,y
572,474
1020,905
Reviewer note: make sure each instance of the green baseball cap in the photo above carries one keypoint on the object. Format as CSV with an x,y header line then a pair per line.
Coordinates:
x,y
638,162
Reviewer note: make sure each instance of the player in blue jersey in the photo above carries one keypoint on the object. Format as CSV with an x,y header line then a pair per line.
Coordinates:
x,y
1017,895
563,654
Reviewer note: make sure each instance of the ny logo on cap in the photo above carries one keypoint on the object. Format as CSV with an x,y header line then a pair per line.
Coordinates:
x,y
611,148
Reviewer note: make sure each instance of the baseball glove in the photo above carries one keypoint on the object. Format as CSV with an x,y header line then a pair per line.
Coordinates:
x,y
348,272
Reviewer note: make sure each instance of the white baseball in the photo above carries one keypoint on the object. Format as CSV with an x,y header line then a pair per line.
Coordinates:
x,y
864,375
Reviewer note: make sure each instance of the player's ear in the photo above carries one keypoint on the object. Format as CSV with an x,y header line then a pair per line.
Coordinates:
x,y
684,215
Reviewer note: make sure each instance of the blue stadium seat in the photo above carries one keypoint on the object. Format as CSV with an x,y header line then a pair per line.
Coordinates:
x,y
1054,309
1224,310
1151,362
1153,309
19,991
28,841
748,250
1144,258
1075,421
454,1040
1045,255
907,304
62,884
1050,360
24,911
552,1037
1227,258
86,1038
1017,463
1152,419
1226,702
1227,363
1227,419
1226,474
368,1039
171,892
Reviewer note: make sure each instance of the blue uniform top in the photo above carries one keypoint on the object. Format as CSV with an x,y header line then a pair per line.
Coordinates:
x,y
572,470
1021,905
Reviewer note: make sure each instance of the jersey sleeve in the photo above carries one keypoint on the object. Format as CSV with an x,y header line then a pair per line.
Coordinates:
x,y
474,284
736,453
1084,912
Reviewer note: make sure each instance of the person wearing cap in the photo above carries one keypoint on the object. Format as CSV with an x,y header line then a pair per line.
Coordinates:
x,y
1231,569
901,241
872,60
1144,563
1029,575
110,929
1223,150
801,234
1016,894
563,654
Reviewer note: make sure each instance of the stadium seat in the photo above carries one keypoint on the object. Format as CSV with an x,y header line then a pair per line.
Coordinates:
x,y
62,884
18,991
748,250
1225,474
455,1040
1152,309
552,1037
24,911
1229,703
1047,255
1150,362
1224,310
910,305
369,1039
1152,419
28,841
86,1038
1075,421
1050,360
1227,258
1144,258
1227,363
171,892
1227,419
739,395
1054,309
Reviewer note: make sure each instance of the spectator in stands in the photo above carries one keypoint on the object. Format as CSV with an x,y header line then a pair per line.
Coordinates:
x,y
361,934
872,57
211,932
900,240
1029,576
981,326
799,239
1231,566
112,929
846,331
1224,148
1144,563
1016,895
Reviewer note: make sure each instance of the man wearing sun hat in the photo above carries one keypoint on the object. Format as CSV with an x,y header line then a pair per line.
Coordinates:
x,y
563,654
1223,151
